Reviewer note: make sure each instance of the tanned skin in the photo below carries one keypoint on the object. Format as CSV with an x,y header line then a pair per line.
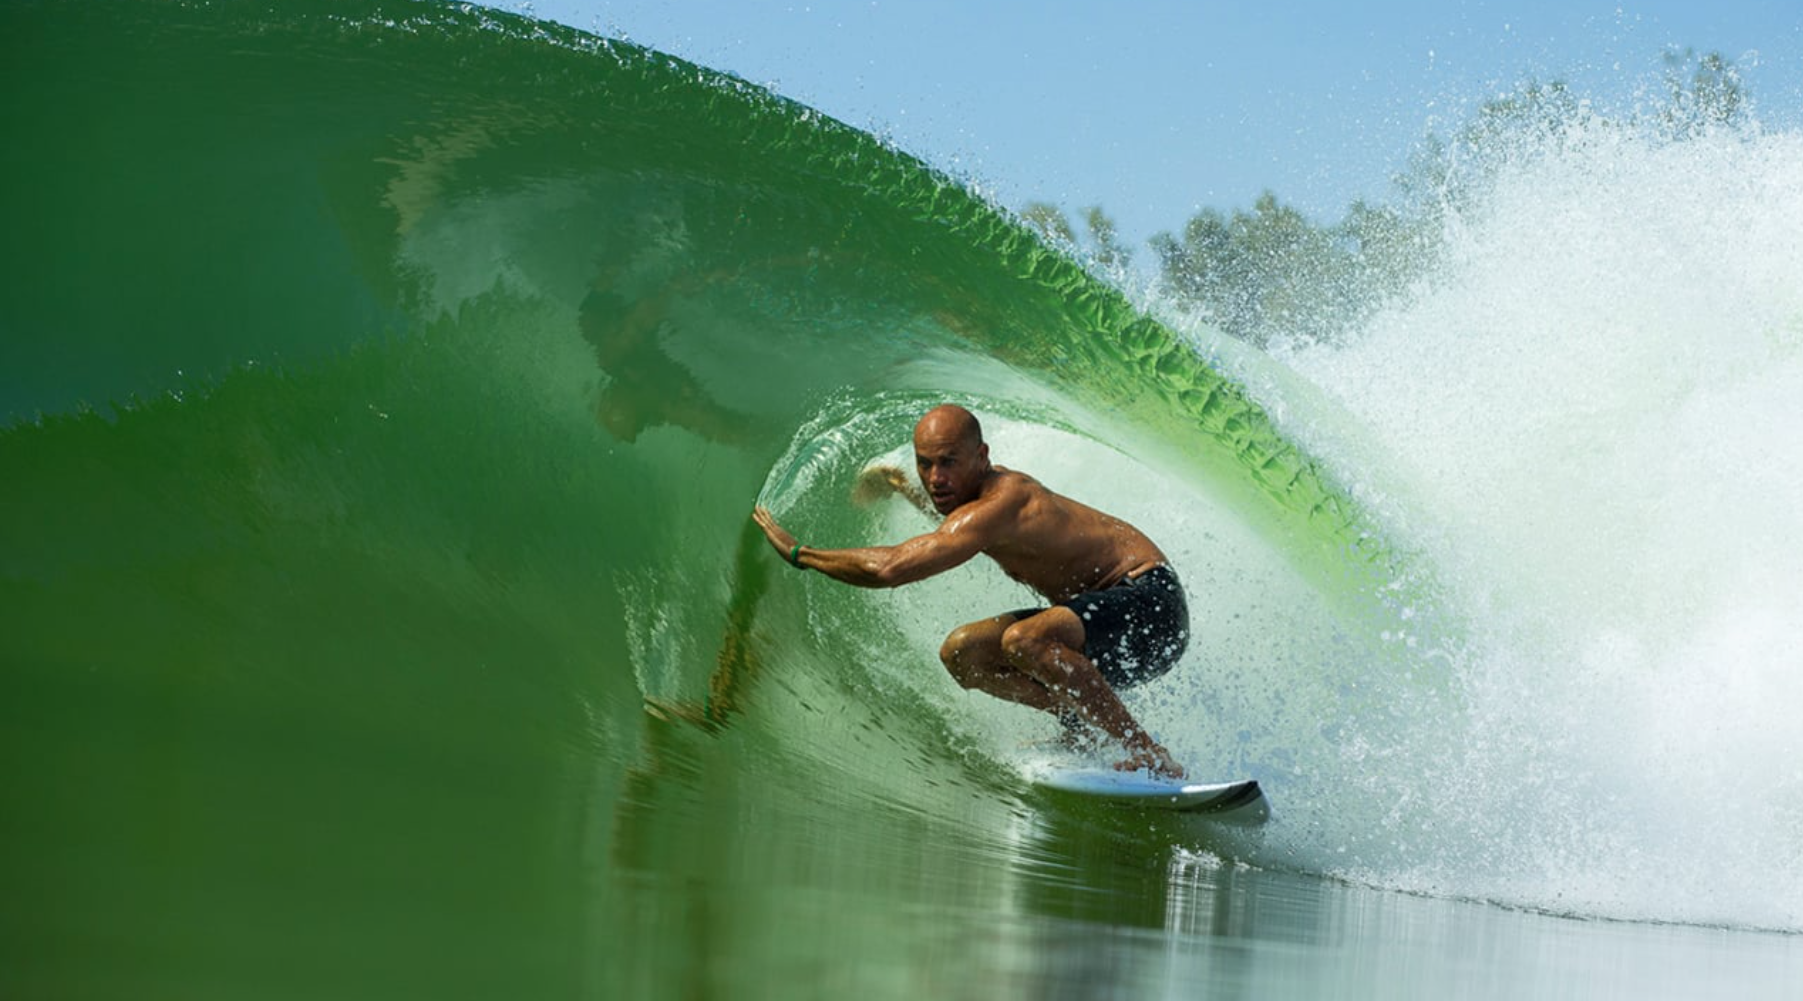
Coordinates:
x,y
1053,544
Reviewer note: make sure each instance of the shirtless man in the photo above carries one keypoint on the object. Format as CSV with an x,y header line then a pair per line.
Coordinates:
x,y
1118,615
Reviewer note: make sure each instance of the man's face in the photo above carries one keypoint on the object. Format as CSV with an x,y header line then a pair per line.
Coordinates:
x,y
951,466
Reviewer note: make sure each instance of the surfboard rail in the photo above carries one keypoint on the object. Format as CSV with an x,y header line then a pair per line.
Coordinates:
x,y
1241,800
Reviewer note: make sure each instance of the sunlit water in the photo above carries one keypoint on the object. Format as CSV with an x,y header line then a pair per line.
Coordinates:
x,y
386,389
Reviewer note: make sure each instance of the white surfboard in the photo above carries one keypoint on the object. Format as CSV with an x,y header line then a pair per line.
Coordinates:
x,y
1241,801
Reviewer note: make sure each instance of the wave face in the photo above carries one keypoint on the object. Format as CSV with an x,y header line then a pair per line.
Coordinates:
x,y
388,387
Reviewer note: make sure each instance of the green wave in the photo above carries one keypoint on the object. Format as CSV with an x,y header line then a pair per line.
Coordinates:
x,y
386,389
340,146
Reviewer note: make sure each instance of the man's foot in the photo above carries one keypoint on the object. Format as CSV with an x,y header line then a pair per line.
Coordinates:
x,y
1154,759
1074,733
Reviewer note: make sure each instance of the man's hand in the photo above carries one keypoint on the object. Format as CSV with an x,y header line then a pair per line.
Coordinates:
x,y
877,481
779,537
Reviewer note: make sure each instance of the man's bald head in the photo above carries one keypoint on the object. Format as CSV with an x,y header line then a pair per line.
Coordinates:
x,y
950,456
950,421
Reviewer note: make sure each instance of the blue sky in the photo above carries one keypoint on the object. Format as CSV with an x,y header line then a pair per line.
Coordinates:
x,y
1156,109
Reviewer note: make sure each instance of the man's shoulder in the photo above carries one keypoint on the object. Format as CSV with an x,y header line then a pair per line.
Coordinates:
x,y
1011,486
998,504
1014,479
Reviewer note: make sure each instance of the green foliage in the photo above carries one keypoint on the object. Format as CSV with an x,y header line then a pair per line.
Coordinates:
x,y
1050,221
1255,272
1268,275
1102,242
1702,93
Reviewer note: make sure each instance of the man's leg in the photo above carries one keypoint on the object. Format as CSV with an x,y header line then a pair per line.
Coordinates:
x,y
972,654
1048,648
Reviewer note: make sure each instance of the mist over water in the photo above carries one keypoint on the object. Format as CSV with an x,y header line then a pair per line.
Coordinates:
x,y
1587,417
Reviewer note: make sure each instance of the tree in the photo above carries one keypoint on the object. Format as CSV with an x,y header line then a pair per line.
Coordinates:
x,y
1269,274
1049,221
1703,93
1260,275
1103,243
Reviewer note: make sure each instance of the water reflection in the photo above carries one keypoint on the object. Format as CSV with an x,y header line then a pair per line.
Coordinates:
x,y
754,885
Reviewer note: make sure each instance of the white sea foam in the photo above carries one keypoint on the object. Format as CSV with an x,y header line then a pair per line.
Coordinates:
x,y
1590,417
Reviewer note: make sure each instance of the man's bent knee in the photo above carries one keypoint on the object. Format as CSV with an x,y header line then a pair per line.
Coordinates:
x,y
968,653
954,650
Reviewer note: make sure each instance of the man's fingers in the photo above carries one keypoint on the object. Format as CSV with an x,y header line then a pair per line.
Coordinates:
x,y
772,531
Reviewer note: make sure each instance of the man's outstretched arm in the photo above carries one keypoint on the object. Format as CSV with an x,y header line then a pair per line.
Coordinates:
x,y
955,542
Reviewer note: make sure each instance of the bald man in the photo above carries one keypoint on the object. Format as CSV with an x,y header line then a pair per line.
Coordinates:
x,y
1117,617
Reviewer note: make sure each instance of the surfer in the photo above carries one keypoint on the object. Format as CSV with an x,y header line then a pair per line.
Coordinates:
x,y
1117,616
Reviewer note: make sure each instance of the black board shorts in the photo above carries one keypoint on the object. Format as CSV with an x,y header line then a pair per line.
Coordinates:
x,y
1135,630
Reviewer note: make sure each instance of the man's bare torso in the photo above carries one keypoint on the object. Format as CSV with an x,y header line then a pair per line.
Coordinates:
x,y
1058,546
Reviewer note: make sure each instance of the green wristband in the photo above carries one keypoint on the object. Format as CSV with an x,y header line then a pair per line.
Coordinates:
x,y
795,556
